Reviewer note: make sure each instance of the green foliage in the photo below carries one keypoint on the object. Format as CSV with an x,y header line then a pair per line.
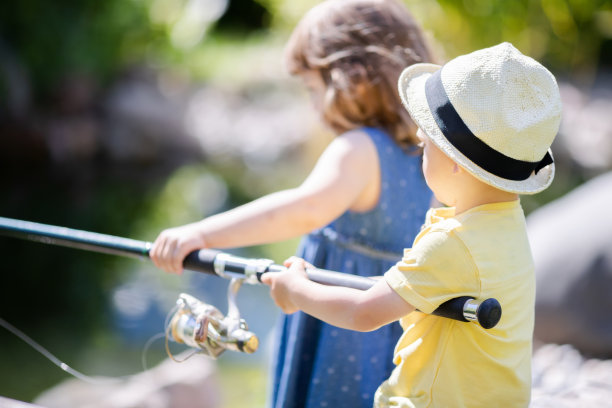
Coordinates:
x,y
245,16
253,385
567,35
53,39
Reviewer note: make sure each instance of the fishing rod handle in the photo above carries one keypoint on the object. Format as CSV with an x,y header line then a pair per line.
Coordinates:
x,y
215,262
486,312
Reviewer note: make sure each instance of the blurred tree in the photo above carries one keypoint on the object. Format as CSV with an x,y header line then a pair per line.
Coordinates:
x,y
51,40
572,37
54,39
245,16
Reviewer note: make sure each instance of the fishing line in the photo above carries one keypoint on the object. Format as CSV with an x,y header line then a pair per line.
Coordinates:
x,y
172,357
165,334
77,374
84,377
143,357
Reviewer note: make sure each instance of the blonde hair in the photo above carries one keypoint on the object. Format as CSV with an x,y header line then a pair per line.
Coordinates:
x,y
359,48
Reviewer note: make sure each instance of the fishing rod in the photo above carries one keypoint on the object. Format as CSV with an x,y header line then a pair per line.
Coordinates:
x,y
203,326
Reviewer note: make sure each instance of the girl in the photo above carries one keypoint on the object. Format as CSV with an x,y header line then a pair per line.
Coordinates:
x,y
361,205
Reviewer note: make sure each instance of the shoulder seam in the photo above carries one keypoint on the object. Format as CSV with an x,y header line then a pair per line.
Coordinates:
x,y
457,235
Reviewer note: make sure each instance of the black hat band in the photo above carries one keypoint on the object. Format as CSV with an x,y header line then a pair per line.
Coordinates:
x,y
460,136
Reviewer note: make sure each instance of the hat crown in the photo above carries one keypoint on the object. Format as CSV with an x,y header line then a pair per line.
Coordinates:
x,y
507,100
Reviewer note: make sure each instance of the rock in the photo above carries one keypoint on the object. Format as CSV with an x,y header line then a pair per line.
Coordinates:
x,y
563,378
141,123
257,125
191,384
11,403
571,240
586,133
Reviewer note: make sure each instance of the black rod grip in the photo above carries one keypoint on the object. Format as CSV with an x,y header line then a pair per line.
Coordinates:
x,y
487,313
453,308
201,261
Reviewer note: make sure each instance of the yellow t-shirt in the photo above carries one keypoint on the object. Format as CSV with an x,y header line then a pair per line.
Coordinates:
x,y
483,252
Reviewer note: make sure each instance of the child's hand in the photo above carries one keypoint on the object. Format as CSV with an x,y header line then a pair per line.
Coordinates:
x,y
173,245
284,284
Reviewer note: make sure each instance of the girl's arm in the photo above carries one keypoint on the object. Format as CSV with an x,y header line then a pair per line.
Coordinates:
x,y
346,176
342,307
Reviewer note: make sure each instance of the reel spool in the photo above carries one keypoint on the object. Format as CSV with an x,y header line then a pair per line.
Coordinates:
x,y
204,328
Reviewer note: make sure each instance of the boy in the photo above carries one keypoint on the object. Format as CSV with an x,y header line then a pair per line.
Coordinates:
x,y
486,121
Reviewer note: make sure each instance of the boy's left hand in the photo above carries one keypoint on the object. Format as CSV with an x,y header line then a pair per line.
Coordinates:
x,y
284,284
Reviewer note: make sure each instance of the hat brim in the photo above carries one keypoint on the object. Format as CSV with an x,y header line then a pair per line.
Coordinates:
x,y
411,86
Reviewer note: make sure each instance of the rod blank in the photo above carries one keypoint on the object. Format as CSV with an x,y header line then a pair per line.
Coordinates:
x,y
72,238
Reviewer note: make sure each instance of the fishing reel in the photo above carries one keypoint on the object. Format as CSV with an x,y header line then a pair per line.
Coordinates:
x,y
204,328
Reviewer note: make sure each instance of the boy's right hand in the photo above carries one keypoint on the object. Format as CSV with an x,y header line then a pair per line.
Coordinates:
x,y
173,245
284,284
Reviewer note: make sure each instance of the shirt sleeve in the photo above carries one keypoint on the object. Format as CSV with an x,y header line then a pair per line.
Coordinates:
x,y
437,268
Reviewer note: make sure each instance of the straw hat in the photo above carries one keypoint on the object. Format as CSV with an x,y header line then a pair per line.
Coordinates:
x,y
495,112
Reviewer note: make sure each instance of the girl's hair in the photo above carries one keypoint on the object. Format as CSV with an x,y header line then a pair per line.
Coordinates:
x,y
359,48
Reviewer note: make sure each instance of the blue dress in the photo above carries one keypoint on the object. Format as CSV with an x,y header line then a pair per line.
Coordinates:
x,y
319,365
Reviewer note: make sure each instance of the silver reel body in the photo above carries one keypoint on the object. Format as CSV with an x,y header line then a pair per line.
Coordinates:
x,y
203,327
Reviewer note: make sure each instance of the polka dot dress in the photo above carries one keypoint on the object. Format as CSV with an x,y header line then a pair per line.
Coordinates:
x,y
318,365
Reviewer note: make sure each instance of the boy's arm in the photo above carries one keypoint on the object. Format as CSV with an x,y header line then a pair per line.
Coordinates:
x,y
339,306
